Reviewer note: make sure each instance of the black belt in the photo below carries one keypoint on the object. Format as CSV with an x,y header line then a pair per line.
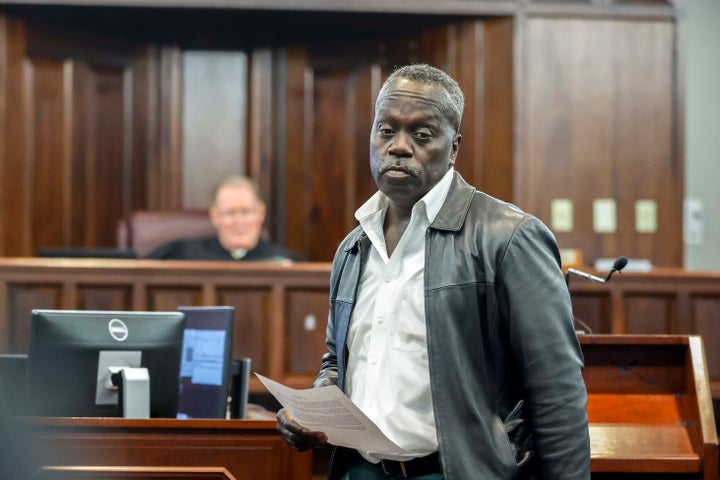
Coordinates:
x,y
411,468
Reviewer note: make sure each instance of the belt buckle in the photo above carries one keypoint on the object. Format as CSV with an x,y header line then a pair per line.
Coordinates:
x,y
402,469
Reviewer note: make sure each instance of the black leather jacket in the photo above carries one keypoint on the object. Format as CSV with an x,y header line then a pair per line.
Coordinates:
x,y
505,363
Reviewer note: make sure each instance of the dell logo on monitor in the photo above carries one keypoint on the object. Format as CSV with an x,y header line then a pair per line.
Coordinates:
x,y
118,329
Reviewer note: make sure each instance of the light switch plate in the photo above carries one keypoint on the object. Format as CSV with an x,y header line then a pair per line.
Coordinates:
x,y
604,215
561,214
694,227
645,216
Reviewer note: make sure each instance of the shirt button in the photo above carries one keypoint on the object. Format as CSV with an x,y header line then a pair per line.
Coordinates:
x,y
388,278
373,361
380,319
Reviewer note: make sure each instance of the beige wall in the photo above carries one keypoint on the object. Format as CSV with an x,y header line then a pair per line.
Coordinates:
x,y
702,138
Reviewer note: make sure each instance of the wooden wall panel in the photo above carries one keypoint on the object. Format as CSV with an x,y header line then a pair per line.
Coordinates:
x,y
159,448
592,313
105,297
85,132
274,302
650,313
600,124
306,323
332,95
250,332
595,116
14,194
107,161
23,298
706,322
48,148
162,298
333,142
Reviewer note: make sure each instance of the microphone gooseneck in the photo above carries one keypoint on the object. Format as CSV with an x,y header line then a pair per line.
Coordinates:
x,y
617,266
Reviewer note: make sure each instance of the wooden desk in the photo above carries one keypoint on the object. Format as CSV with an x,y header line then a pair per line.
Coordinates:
x,y
649,406
162,448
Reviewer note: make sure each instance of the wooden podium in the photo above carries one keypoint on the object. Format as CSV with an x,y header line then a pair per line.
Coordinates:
x,y
649,407
125,449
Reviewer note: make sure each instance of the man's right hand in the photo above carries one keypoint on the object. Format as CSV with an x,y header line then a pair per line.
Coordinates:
x,y
295,435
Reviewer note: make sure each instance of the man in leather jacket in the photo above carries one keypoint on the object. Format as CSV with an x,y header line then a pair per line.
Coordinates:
x,y
450,323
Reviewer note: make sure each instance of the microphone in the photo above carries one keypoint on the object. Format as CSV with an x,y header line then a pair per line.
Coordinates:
x,y
617,266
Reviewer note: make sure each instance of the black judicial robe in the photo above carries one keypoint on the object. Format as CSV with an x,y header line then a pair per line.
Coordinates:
x,y
209,248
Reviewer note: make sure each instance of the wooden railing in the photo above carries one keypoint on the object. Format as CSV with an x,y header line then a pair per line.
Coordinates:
x,y
281,310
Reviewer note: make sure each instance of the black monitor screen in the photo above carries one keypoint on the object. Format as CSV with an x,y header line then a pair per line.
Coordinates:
x,y
205,365
71,351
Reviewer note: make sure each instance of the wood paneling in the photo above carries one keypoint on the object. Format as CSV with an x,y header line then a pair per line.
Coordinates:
x,y
331,95
82,132
14,195
600,124
162,448
280,310
575,100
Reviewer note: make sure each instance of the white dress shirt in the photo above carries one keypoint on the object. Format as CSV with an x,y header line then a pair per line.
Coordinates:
x,y
387,372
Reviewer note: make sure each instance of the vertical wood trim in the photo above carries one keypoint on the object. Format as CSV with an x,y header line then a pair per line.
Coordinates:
x,y
4,67
261,126
618,322
309,147
29,163
351,160
467,70
683,320
297,151
69,296
14,210
520,98
128,139
152,130
496,124
678,129
274,351
167,182
209,294
67,153
279,179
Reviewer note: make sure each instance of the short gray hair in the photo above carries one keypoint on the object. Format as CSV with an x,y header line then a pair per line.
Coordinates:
x,y
430,75
237,181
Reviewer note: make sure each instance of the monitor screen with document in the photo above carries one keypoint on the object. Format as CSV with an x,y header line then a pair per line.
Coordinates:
x,y
205,366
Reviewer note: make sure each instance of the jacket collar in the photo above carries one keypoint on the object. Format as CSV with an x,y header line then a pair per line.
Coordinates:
x,y
457,204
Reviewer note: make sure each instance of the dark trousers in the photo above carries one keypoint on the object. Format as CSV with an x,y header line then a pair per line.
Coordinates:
x,y
361,469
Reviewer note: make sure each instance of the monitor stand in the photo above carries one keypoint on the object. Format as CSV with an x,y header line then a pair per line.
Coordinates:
x,y
122,381
134,391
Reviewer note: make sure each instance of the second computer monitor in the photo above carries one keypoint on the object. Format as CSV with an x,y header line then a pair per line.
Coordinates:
x,y
206,359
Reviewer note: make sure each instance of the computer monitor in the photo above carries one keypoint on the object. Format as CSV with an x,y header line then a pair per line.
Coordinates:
x,y
206,360
71,352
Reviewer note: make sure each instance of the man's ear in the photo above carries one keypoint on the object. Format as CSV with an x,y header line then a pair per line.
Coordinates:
x,y
455,148
214,216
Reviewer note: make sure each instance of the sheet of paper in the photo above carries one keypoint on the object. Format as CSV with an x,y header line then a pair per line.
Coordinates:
x,y
329,410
